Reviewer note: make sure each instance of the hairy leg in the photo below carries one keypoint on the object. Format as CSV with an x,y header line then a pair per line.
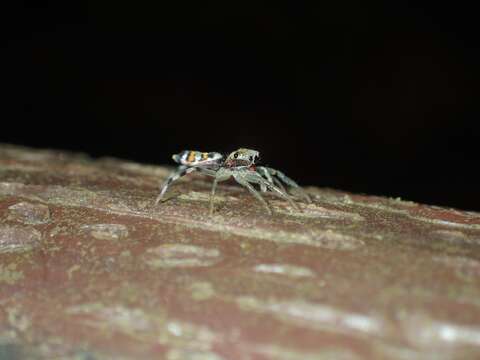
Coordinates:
x,y
279,185
288,181
177,174
254,177
220,175
252,190
181,171
264,172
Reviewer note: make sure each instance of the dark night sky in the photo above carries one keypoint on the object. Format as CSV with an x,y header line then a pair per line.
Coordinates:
x,y
379,99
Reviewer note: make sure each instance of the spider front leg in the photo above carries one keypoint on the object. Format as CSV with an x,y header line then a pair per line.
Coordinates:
x,y
274,174
254,177
266,174
242,181
177,174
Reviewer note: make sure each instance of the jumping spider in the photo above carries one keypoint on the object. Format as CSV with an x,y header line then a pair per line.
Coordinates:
x,y
240,165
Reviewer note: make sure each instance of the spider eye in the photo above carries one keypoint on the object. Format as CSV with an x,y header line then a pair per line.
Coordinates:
x,y
235,155
251,158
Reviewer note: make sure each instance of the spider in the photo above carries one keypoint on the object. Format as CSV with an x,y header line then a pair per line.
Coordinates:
x,y
240,165
247,158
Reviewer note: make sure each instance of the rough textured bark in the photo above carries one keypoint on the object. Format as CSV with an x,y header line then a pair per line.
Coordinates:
x,y
90,268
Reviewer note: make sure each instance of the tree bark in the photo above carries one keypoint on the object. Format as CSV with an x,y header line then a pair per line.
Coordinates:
x,y
91,268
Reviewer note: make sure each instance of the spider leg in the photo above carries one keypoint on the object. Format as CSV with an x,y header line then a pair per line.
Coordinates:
x,y
278,174
175,175
207,171
279,184
220,175
256,178
242,181
264,172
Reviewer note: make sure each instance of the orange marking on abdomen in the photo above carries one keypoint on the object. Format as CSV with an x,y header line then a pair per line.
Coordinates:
x,y
191,156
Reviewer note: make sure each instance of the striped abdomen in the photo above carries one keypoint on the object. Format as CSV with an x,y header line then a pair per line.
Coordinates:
x,y
196,158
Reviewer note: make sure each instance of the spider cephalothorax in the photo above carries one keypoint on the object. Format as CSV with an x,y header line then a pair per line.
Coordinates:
x,y
242,157
240,165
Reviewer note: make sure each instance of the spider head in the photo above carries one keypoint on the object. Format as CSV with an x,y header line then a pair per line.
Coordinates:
x,y
242,157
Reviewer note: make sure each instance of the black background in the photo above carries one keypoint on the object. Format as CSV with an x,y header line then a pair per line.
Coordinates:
x,y
378,98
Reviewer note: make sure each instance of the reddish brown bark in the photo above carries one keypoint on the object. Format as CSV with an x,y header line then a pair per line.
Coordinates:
x,y
91,269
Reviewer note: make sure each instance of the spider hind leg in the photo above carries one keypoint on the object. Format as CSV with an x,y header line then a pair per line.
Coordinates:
x,y
182,170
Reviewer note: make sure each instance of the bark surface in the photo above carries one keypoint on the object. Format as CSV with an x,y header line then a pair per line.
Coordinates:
x,y
90,268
